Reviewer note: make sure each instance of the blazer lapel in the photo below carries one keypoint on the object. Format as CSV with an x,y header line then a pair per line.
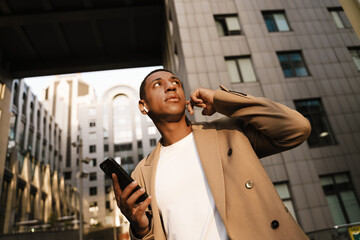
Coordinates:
x,y
208,148
149,172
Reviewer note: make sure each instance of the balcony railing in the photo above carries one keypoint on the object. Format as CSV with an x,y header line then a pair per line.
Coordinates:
x,y
340,232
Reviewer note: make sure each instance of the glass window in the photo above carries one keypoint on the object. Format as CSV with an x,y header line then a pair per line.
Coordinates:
x,y
30,139
93,191
16,94
92,124
67,175
106,147
292,64
92,148
284,193
152,142
123,147
342,201
22,134
92,162
340,18
240,69
227,25
355,54
93,176
321,133
92,136
276,21
24,98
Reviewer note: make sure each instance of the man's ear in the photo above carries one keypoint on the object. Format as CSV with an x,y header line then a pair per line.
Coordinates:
x,y
142,107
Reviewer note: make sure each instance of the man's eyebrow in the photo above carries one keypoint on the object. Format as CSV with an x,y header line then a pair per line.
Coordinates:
x,y
156,79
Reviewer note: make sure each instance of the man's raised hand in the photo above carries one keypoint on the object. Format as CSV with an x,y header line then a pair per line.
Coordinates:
x,y
204,98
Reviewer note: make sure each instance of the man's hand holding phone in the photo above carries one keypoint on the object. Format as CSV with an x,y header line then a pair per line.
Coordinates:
x,y
134,212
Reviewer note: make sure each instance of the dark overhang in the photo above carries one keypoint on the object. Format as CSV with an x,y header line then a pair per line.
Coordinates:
x,y
44,37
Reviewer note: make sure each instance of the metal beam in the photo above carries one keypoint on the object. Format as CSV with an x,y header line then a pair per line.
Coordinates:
x,y
81,15
26,41
97,36
62,40
47,5
4,7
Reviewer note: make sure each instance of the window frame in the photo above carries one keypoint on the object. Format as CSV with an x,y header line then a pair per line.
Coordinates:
x,y
221,20
344,22
337,189
357,50
315,131
290,198
92,191
93,176
92,148
238,67
292,64
271,13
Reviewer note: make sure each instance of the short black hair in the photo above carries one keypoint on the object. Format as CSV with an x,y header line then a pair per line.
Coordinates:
x,y
143,83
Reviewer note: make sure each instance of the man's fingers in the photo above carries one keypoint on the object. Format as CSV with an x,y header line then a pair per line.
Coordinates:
x,y
142,206
134,197
116,185
190,108
128,190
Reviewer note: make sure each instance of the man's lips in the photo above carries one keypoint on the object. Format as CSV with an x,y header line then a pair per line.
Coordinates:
x,y
172,99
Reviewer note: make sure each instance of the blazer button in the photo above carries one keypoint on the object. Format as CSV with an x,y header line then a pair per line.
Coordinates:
x,y
275,224
249,184
229,152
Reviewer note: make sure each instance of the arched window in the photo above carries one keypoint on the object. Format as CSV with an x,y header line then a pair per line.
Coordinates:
x,y
121,119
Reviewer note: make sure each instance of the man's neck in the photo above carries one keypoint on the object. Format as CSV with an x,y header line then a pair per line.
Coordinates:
x,y
172,132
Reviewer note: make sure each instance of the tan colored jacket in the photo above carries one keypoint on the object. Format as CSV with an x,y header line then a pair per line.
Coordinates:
x,y
229,150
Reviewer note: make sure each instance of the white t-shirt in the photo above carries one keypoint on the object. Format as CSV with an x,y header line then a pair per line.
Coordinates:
x,y
183,194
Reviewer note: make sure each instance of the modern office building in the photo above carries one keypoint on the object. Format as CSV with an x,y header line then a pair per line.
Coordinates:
x,y
62,99
33,189
110,127
114,127
303,54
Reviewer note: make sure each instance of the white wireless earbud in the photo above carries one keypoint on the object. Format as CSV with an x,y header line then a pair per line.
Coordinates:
x,y
146,109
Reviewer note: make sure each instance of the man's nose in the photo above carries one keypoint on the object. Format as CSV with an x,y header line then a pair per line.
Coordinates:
x,y
170,87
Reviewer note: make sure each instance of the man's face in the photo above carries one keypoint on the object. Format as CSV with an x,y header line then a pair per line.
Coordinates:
x,y
165,97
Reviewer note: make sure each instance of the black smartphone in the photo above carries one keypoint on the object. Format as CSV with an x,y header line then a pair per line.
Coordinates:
x,y
110,166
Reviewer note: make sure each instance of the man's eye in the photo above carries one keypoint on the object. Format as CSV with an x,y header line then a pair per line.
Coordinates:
x,y
176,83
156,84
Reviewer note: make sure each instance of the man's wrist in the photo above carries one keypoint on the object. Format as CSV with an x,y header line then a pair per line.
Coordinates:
x,y
140,233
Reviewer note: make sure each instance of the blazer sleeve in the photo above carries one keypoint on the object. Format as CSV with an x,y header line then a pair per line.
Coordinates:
x,y
270,127
136,175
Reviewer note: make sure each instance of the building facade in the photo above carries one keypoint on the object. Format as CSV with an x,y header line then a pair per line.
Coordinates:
x,y
33,189
114,127
111,127
303,54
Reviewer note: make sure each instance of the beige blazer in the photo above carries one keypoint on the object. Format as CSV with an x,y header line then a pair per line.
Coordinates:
x,y
229,150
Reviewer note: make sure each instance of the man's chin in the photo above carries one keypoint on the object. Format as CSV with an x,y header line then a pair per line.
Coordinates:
x,y
173,117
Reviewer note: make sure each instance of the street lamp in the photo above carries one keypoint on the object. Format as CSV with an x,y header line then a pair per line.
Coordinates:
x,y
81,175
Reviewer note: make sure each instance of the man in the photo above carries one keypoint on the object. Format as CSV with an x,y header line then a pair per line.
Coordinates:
x,y
204,180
